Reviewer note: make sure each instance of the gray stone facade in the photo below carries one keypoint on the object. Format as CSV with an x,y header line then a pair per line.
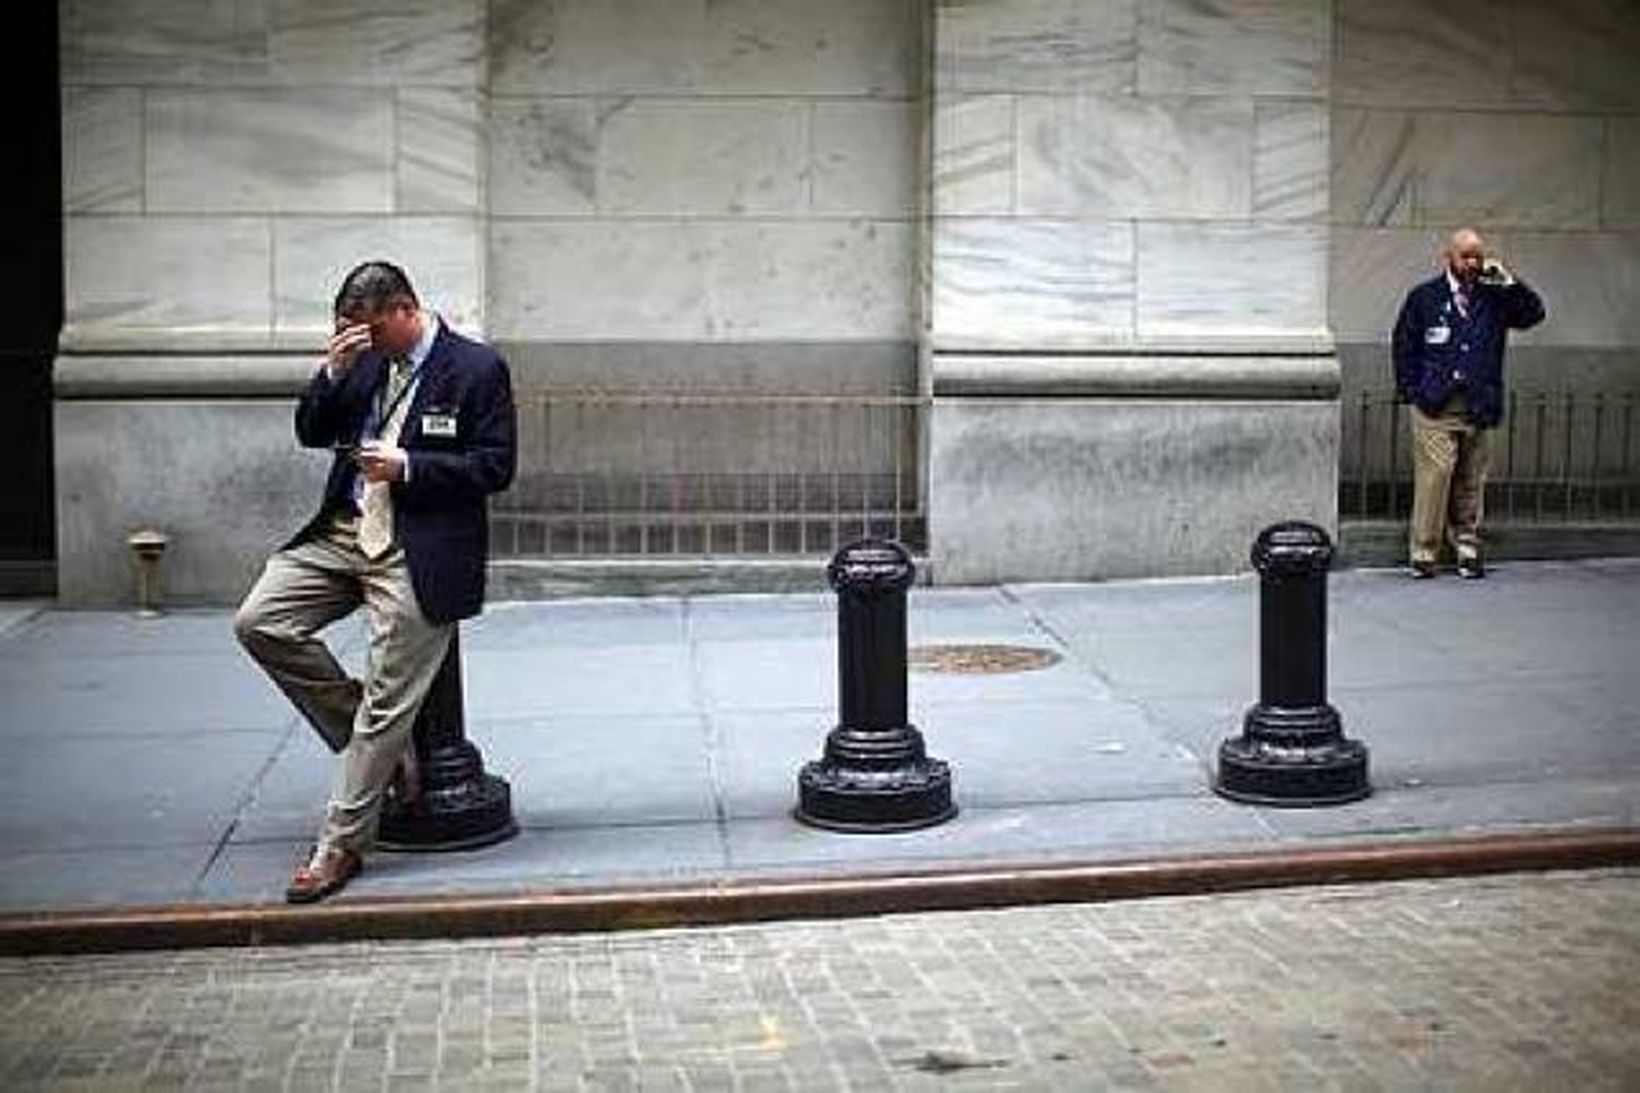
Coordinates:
x,y
1121,248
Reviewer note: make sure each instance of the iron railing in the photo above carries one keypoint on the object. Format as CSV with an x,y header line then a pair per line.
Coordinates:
x,y
610,474
1558,456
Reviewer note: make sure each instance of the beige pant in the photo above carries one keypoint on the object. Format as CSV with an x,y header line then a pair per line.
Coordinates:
x,y
1450,456
305,588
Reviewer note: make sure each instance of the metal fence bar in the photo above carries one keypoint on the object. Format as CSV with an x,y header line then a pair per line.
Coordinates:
x,y
1554,463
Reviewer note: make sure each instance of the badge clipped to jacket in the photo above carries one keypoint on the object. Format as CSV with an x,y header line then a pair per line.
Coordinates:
x,y
439,425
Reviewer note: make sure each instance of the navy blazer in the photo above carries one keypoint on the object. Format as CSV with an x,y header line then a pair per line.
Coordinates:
x,y
440,516
1438,351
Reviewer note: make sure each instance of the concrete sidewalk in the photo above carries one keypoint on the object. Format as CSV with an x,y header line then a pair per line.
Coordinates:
x,y
658,740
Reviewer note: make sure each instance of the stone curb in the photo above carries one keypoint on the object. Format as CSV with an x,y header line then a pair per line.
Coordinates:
x,y
982,885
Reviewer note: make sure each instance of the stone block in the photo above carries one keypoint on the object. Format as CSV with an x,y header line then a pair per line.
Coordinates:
x,y
1502,170
1230,278
1372,271
973,154
1589,283
1579,54
1373,167
866,158
290,150
135,272
711,157
1036,45
224,479
102,150
700,281
1119,157
1244,47
543,157
783,47
1290,169
437,150
588,46
1046,489
443,257
1410,53
424,43
1032,282
171,42
1620,178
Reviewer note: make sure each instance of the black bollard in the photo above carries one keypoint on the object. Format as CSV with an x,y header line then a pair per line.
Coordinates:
x,y
460,807
1292,750
875,775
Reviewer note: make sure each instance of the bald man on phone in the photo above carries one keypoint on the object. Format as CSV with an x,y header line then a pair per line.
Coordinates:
x,y
1448,352
422,424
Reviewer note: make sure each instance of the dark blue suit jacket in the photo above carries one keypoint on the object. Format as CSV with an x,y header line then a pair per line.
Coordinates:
x,y
440,516
1438,351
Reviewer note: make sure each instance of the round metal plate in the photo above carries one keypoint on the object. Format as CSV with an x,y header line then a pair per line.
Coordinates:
x,y
979,659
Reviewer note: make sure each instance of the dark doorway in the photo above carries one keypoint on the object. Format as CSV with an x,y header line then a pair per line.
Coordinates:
x,y
31,284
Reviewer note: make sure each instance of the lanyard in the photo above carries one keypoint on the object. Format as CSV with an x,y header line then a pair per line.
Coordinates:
x,y
380,416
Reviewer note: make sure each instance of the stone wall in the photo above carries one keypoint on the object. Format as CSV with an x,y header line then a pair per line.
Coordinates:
x,y
1128,339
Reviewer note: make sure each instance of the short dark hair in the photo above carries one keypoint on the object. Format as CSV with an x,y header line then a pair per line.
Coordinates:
x,y
372,287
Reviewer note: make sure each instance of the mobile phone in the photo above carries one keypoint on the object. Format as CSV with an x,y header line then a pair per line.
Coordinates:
x,y
348,450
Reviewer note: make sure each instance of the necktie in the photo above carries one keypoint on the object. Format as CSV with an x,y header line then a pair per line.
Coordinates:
x,y
376,522
1463,303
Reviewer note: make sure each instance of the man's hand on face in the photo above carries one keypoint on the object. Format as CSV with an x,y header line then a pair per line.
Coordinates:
x,y
380,462
346,344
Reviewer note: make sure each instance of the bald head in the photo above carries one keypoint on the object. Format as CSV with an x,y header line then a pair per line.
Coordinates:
x,y
1465,255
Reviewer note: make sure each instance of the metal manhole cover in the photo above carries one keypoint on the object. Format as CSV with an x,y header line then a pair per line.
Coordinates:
x,y
980,659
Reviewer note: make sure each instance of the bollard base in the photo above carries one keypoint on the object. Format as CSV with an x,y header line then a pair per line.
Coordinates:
x,y
882,801
1292,759
460,807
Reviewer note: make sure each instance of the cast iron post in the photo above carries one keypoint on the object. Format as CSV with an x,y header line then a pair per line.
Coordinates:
x,y
460,807
1292,750
875,774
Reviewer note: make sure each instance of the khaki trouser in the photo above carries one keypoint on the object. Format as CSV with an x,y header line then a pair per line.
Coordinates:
x,y
1450,457
305,588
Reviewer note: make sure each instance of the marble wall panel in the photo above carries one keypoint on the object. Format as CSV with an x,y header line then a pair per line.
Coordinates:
x,y
102,149
1031,282
667,156
810,280
441,254
543,157
973,154
1036,45
1620,181
1374,168
1290,160
1581,54
1230,278
588,46
163,41
437,150
1589,283
1414,53
1244,47
700,280
783,47
1116,156
578,281
292,150
428,43
1372,271
866,157
1533,170
184,273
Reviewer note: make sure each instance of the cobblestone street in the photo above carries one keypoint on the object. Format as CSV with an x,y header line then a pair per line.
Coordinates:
x,y
1501,982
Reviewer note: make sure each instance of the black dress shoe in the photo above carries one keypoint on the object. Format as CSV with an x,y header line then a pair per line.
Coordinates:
x,y
1471,569
1423,571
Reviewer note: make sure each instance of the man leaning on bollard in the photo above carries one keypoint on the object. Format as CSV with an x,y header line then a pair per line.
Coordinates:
x,y
1448,351
422,425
